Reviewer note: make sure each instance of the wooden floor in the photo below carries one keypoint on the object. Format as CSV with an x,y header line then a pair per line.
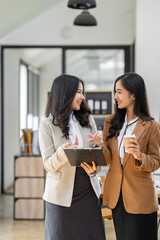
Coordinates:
x,y
30,230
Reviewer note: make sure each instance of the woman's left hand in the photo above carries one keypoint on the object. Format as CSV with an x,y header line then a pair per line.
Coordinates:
x,y
134,149
90,170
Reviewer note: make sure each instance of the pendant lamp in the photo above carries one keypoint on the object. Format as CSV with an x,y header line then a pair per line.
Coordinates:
x,y
85,19
81,4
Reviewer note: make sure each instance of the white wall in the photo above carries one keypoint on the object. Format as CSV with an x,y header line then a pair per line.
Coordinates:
x,y
47,74
148,50
11,113
55,26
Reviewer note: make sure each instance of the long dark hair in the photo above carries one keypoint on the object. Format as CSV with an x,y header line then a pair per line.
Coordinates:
x,y
134,84
60,100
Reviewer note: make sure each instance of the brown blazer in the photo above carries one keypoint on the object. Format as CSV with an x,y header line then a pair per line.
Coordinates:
x,y
135,180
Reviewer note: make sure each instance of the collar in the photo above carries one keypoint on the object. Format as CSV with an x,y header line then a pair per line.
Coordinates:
x,y
130,122
72,118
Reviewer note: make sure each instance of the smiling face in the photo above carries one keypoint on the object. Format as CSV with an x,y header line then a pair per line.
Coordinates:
x,y
79,97
123,97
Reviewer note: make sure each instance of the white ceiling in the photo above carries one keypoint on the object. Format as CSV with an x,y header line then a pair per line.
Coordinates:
x,y
15,13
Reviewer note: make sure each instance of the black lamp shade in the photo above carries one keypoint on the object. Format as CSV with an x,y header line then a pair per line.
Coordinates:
x,y
81,4
85,19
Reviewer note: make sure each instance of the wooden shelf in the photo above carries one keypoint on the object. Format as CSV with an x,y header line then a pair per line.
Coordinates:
x,y
101,104
29,181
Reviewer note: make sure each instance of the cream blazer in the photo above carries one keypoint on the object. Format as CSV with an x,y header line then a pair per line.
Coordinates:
x,y
60,174
135,180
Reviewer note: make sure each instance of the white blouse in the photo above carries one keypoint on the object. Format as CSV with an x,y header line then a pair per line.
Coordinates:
x,y
74,130
127,129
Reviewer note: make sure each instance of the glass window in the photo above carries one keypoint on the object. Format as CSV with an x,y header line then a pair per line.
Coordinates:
x,y
97,67
23,97
29,94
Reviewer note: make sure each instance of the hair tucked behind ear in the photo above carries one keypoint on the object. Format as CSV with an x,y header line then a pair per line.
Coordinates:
x,y
59,104
134,84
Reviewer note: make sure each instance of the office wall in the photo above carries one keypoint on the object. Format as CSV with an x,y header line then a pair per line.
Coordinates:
x,y
148,50
47,74
11,113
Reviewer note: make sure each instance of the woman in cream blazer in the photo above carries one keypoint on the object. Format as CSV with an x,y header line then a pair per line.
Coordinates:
x,y
60,175
129,188
71,193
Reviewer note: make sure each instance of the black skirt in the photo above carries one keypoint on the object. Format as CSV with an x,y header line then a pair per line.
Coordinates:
x,y
81,221
134,226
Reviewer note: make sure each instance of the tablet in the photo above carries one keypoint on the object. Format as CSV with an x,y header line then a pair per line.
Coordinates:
x,y
78,155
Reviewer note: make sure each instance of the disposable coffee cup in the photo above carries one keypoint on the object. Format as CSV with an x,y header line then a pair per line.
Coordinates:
x,y
127,139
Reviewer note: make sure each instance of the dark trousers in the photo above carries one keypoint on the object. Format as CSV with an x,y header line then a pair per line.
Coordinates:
x,y
134,226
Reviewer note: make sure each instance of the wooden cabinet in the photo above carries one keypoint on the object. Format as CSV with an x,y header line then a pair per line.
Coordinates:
x,y
29,180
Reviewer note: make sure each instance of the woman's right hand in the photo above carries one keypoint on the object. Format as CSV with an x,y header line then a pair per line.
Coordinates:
x,y
96,139
67,145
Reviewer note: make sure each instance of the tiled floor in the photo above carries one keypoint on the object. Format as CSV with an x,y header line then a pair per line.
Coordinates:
x,y
30,230
17,230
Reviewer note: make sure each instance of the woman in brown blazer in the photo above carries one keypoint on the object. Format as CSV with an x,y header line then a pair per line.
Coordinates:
x,y
129,188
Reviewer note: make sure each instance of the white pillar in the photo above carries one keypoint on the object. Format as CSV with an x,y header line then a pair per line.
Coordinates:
x,y
147,50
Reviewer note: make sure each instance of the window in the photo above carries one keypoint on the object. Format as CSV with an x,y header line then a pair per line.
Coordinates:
x,y
97,67
23,97
29,95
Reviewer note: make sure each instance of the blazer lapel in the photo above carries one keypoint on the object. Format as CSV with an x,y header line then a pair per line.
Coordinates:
x,y
115,149
60,135
64,140
138,130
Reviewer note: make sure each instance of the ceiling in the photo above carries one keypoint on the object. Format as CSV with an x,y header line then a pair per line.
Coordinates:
x,y
15,13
